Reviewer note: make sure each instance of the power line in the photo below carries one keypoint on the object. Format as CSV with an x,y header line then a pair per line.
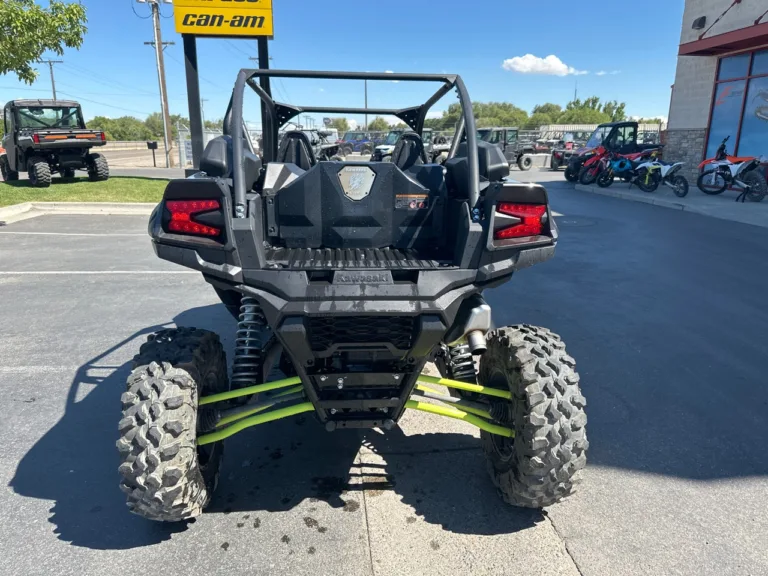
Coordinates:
x,y
133,7
91,75
104,104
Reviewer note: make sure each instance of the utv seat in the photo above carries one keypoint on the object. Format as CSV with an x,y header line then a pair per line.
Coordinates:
x,y
493,167
409,151
296,149
217,161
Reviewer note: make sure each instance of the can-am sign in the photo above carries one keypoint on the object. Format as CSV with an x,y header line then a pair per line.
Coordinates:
x,y
224,17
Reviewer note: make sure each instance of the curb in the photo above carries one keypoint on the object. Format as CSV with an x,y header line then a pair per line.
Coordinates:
x,y
649,199
747,218
17,212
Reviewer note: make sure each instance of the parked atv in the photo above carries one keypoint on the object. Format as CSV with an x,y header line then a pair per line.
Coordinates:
x,y
350,277
43,137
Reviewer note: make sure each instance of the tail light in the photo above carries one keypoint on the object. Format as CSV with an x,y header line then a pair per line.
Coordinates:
x,y
36,138
103,137
530,220
182,212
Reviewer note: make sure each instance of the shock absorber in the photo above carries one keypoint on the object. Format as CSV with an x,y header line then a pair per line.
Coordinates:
x,y
461,364
247,364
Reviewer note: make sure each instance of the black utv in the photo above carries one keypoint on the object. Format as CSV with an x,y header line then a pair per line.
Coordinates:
x,y
349,278
43,137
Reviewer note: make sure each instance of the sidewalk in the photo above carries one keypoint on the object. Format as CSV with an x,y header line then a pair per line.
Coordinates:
x,y
723,206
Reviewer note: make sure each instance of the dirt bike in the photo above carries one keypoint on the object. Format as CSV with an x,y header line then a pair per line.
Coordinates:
x,y
668,174
724,171
630,168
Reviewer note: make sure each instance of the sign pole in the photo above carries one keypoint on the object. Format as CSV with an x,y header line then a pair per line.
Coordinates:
x,y
193,99
266,119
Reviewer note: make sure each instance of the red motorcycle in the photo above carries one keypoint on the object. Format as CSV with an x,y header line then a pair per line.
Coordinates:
x,y
591,168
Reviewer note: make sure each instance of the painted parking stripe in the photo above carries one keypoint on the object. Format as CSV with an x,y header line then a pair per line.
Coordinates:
x,y
12,233
91,272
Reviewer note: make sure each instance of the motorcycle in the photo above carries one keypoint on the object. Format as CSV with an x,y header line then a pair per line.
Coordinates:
x,y
632,168
727,171
592,166
668,174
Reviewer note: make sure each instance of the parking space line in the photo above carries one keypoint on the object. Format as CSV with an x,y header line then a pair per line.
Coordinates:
x,y
11,233
90,272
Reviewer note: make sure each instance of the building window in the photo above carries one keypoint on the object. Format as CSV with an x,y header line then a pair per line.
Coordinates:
x,y
740,105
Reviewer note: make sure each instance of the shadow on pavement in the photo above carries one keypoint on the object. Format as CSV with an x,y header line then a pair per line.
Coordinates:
x,y
270,468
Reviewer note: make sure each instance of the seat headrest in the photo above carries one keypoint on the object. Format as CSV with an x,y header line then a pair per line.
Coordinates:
x,y
493,165
216,160
409,151
296,148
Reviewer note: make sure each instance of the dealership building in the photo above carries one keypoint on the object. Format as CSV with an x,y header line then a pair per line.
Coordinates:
x,y
721,83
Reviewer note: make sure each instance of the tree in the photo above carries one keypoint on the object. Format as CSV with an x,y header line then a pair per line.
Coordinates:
x,y
378,124
125,128
154,124
538,119
214,124
340,124
28,30
583,116
615,110
552,110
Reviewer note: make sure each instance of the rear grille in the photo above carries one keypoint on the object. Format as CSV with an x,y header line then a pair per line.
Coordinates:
x,y
394,330
338,259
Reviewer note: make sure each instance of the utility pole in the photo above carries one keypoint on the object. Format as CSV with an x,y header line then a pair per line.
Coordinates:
x,y
202,110
53,80
159,47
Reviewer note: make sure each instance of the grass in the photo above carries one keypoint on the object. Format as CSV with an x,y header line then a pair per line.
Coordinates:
x,y
116,189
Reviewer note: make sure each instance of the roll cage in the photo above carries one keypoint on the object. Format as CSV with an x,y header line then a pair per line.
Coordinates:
x,y
277,114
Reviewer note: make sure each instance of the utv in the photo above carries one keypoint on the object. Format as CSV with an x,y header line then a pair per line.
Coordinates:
x,y
43,137
620,137
350,277
516,147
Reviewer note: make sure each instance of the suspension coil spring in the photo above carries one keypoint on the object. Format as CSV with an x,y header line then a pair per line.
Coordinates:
x,y
247,363
461,364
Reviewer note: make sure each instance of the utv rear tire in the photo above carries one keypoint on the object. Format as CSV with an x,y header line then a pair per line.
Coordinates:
x,y
165,475
525,163
6,172
39,172
540,465
571,175
98,168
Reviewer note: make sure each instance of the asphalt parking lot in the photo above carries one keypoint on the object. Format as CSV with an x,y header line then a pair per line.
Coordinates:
x,y
664,311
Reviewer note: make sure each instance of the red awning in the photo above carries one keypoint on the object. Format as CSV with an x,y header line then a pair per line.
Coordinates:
x,y
743,39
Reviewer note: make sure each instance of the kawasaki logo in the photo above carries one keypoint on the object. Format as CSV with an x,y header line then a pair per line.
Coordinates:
x,y
362,278
219,21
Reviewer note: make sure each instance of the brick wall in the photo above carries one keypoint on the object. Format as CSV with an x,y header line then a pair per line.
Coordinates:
x,y
692,93
740,16
686,146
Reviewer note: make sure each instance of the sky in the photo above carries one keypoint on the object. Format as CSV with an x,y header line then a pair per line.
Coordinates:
x,y
522,52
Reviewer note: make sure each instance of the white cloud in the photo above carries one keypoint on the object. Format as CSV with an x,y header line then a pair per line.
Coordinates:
x,y
604,72
391,72
551,66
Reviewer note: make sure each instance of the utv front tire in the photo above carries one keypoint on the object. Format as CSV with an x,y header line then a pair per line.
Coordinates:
x,y
39,172
525,163
98,168
165,475
539,466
